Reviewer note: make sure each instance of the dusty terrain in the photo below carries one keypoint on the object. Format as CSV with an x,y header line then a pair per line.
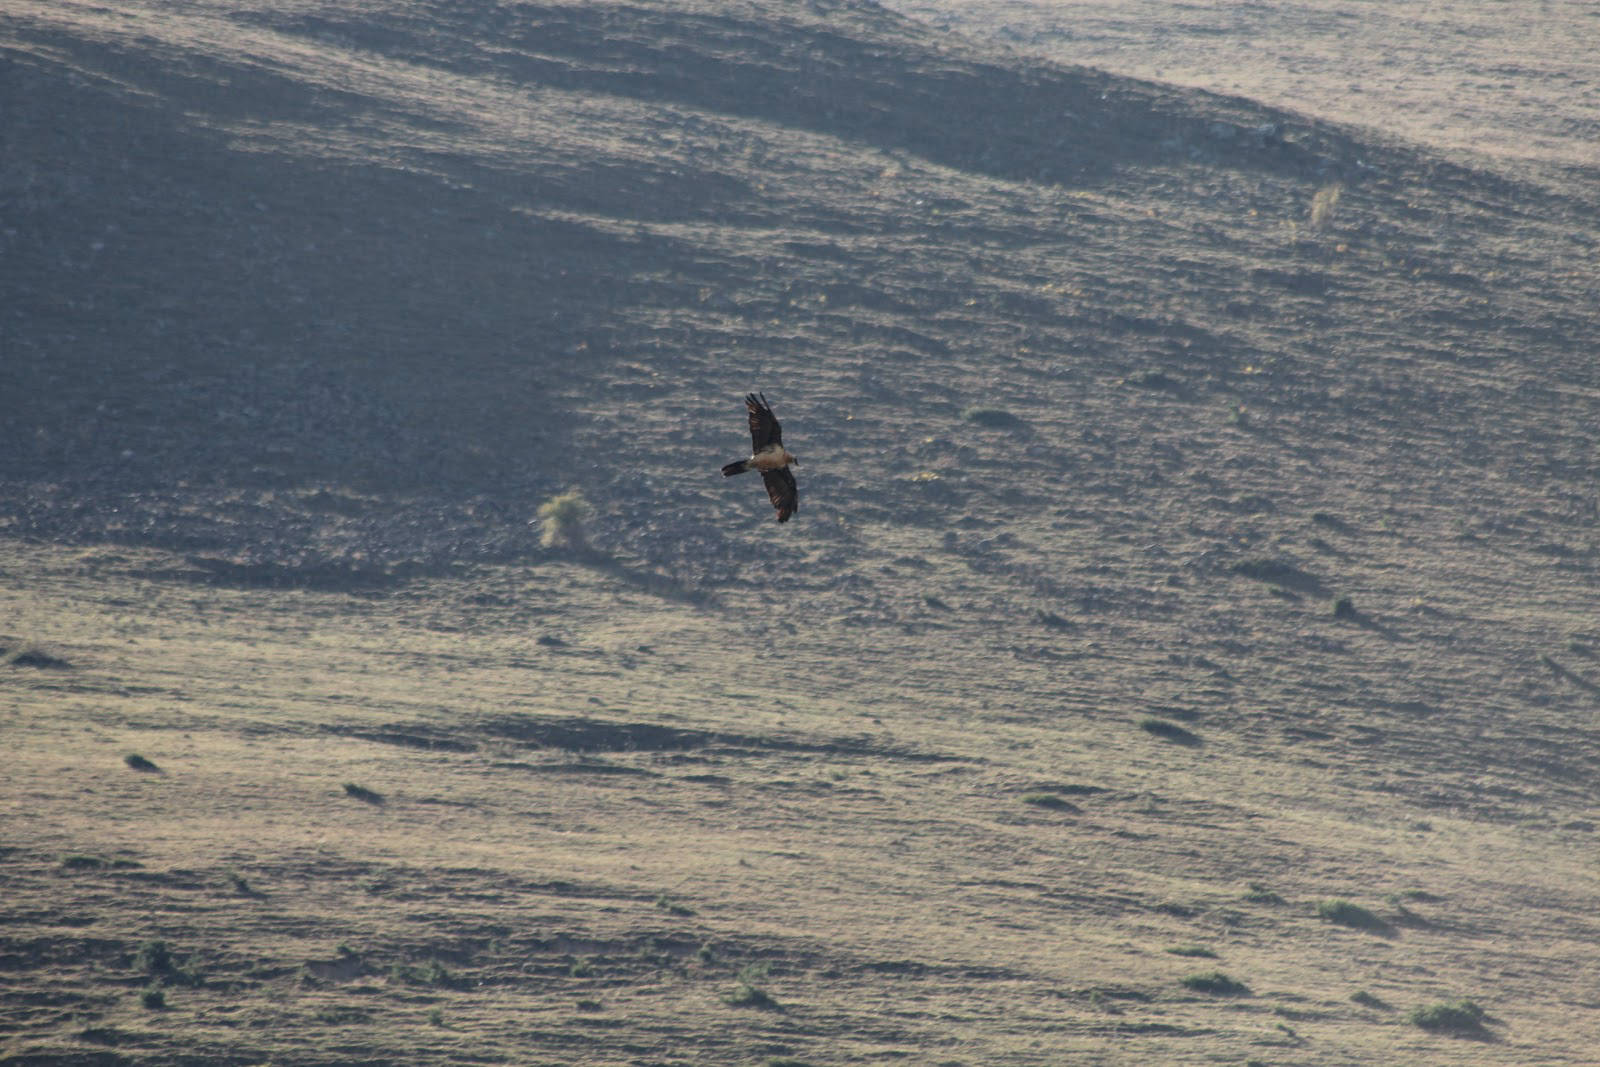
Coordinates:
x,y
1185,652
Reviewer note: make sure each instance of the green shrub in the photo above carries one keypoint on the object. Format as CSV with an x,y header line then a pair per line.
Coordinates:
x,y
562,519
750,995
1215,982
1345,913
1452,1017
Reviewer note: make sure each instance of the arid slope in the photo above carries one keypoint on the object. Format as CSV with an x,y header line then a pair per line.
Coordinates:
x,y
1180,550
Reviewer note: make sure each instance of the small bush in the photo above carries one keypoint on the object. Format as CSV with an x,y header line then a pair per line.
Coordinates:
x,y
1215,982
154,998
1344,608
1170,731
1452,1017
672,907
436,1017
1355,916
750,995
363,794
80,862
155,959
993,418
1323,205
434,974
1367,1000
139,763
562,519
1260,894
1193,950
589,1005
1051,801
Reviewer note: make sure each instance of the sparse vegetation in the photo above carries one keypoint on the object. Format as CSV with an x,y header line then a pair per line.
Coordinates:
x,y
154,998
1368,1000
310,307
562,521
139,763
155,959
1460,1017
749,994
363,794
1345,913
672,907
1215,983
1260,893
1169,731
1051,801
433,973
992,418
1324,204
1344,608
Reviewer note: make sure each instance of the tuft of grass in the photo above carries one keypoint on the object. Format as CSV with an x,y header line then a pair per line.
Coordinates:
x,y
154,999
1324,204
672,907
434,974
37,658
1216,983
80,862
582,968
749,994
562,519
1170,731
1051,620
589,1005
1199,951
1051,801
139,763
155,959
363,794
435,1016
993,418
1345,913
1260,894
1344,608
240,884
1368,1000
1460,1017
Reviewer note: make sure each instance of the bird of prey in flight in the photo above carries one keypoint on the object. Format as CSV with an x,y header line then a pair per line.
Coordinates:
x,y
768,456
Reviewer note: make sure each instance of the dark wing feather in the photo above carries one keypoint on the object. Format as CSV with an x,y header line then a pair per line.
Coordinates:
x,y
764,428
782,491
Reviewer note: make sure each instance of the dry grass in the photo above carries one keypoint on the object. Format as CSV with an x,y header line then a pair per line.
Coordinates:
x,y
506,892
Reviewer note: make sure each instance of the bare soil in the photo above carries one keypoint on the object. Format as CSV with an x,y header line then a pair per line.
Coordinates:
x,y
1183,550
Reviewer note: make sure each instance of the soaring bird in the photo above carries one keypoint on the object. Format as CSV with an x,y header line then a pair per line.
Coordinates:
x,y
768,456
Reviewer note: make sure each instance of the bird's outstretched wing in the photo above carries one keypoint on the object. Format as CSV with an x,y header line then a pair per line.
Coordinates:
x,y
764,428
782,491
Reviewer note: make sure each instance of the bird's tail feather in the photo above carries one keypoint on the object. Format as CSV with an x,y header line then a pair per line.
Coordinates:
x,y
735,468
